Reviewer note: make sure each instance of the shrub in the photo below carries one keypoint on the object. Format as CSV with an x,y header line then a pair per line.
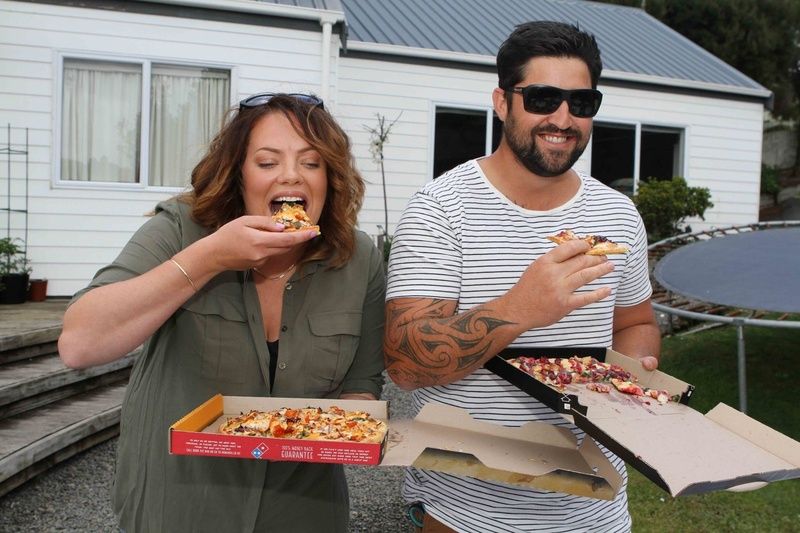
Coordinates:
x,y
770,184
12,257
665,204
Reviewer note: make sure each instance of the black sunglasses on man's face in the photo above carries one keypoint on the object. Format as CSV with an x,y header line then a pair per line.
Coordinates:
x,y
544,99
262,98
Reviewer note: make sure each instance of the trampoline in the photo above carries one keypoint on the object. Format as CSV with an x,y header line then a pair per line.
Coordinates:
x,y
755,269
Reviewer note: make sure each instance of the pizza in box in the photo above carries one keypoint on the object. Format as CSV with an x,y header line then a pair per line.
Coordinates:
x,y
309,423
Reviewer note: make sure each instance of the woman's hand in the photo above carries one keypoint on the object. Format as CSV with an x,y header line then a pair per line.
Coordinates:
x,y
249,241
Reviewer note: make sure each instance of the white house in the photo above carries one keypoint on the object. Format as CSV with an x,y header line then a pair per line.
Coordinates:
x,y
119,98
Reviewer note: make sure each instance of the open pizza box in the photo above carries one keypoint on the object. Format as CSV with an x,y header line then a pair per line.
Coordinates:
x,y
676,447
197,433
440,438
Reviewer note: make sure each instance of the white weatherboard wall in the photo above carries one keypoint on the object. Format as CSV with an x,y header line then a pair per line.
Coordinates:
x,y
722,147
367,87
72,231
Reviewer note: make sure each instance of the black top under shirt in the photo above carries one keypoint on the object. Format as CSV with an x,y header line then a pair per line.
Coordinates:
x,y
272,346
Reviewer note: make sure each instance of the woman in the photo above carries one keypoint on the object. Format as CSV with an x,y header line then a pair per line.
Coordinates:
x,y
226,301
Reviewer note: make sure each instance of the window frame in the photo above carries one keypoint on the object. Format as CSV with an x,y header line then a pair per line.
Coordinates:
x,y
146,63
638,126
434,105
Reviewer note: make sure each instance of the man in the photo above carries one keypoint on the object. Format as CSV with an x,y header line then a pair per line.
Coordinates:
x,y
471,272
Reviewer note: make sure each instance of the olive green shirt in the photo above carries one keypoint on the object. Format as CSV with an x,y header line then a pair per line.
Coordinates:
x,y
330,343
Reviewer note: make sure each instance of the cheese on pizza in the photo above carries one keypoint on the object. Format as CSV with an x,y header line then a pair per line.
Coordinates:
x,y
313,423
599,245
294,217
597,375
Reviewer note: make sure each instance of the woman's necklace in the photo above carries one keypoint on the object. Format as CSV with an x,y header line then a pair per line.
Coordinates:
x,y
275,276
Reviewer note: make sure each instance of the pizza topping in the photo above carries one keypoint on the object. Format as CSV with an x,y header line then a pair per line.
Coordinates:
x,y
292,215
596,375
598,387
314,423
600,245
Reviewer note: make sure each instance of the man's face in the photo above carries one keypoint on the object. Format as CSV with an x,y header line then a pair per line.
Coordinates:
x,y
549,145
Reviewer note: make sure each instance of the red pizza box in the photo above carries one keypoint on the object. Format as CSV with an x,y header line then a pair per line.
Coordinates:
x,y
196,433
676,447
439,438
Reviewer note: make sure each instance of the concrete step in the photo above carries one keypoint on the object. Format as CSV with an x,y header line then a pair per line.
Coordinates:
x,y
26,385
34,441
49,412
29,324
28,352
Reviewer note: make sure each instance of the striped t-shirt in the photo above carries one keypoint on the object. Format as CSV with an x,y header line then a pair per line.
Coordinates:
x,y
461,239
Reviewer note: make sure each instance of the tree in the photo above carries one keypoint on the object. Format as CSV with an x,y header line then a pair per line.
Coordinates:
x,y
379,136
761,38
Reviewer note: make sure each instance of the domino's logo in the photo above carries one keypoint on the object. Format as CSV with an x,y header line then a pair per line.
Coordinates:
x,y
260,450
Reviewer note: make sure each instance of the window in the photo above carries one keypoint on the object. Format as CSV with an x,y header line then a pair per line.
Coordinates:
x,y
460,135
106,137
661,153
617,162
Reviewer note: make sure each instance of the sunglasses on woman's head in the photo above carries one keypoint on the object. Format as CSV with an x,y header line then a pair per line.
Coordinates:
x,y
262,98
544,99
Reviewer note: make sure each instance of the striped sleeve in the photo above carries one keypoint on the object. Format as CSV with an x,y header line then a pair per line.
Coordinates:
x,y
425,261
635,287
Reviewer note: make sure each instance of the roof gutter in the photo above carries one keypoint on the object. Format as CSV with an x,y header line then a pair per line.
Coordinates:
x,y
261,8
477,59
327,19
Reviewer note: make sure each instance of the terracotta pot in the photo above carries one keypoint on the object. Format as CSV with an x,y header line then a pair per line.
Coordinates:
x,y
38,290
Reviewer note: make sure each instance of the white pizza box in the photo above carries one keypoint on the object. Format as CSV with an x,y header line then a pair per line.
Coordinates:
x,y
535,455
675,446
439,438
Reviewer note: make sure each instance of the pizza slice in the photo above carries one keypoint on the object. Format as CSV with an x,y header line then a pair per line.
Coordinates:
x,y
294,217
627,387
252,424
599,245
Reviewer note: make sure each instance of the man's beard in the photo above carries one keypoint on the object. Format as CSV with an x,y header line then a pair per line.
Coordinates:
x,y
541,164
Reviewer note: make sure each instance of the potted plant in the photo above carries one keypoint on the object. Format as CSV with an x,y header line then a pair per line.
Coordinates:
x,y
37,291
14,271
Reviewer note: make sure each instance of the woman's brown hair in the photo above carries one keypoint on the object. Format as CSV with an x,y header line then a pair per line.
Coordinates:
x,y
217,199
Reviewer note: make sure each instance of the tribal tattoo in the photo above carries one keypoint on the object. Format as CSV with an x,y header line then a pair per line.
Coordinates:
x,y
426,343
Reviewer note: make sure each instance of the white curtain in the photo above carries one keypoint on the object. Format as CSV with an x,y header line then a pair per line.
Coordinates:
x,y
101,121
187,106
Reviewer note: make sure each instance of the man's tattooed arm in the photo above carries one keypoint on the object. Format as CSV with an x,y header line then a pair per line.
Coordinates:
x,y
426,343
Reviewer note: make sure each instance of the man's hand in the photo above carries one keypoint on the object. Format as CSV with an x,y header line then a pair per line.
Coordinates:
x,y
648,362
545,293
636,333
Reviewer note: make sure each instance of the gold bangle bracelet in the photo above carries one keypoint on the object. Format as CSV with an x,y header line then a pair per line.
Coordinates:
x,y
186,275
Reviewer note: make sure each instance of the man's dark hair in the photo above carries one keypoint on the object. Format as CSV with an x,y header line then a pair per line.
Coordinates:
x,y
542,38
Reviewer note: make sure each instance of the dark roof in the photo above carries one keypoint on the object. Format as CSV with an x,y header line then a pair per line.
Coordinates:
x,y
329,5
634,45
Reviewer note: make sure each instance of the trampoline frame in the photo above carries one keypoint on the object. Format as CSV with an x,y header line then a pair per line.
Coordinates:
x,y
739,322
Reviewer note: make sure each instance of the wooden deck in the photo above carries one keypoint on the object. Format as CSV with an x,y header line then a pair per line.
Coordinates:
x,y
49,412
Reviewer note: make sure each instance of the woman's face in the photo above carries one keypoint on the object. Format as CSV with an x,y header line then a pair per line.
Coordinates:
x,y
279,167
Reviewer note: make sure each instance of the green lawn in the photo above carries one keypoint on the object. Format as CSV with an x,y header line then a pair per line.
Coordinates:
x,y
708,361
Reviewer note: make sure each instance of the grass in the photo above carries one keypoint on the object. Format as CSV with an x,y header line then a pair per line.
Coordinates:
x,y
708,361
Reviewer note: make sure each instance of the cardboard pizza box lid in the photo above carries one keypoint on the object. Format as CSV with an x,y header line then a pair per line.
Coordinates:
x,y
676,447
537,454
